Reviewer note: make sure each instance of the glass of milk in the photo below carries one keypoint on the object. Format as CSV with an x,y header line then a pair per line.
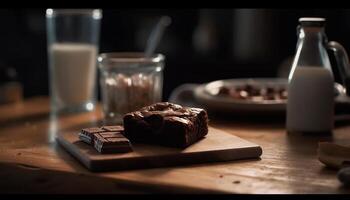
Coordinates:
x,y
129,81
72,39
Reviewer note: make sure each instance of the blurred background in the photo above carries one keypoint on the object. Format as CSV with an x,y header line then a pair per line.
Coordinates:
x,y
200,45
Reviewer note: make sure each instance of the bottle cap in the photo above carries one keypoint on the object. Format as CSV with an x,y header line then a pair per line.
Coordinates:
x,y
312,21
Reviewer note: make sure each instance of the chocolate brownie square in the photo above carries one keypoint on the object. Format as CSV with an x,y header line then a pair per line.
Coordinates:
x,y
166,124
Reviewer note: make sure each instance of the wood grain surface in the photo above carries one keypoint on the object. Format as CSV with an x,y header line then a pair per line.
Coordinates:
x,y
288,165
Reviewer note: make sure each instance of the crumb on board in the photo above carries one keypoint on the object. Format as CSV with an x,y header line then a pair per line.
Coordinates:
x,y
236,182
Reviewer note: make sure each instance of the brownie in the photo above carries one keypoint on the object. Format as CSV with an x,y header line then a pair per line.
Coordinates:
x,y
166,124
111,142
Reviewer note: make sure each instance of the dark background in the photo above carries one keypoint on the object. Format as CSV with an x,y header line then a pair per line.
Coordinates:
x,y
200,45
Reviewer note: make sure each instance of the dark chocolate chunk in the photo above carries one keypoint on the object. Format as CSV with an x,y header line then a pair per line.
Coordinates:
x,y
92,130
85,138
166,124
111,134
108,139
113,128
87,134
111,142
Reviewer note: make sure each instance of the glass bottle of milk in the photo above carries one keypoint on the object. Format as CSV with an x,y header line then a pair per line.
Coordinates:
x,y
310,106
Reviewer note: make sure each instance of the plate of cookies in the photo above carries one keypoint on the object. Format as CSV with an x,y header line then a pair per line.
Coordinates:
x,y
256,95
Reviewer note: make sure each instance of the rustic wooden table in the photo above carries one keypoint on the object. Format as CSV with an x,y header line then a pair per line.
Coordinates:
x,y
31,161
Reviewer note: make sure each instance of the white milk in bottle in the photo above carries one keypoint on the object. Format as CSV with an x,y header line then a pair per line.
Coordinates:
x,y
310,105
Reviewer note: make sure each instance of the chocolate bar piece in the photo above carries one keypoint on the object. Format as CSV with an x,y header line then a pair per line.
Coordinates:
x,y
87,134
113,128
166,124
111,142
107,139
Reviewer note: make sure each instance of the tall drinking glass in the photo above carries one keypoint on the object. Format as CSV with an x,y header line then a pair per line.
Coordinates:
x,y
72,42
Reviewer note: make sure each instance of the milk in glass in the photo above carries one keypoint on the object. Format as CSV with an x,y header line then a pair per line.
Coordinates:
x,y
73,73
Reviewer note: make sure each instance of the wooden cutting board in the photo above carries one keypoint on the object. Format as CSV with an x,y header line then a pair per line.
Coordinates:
x,y
216,146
